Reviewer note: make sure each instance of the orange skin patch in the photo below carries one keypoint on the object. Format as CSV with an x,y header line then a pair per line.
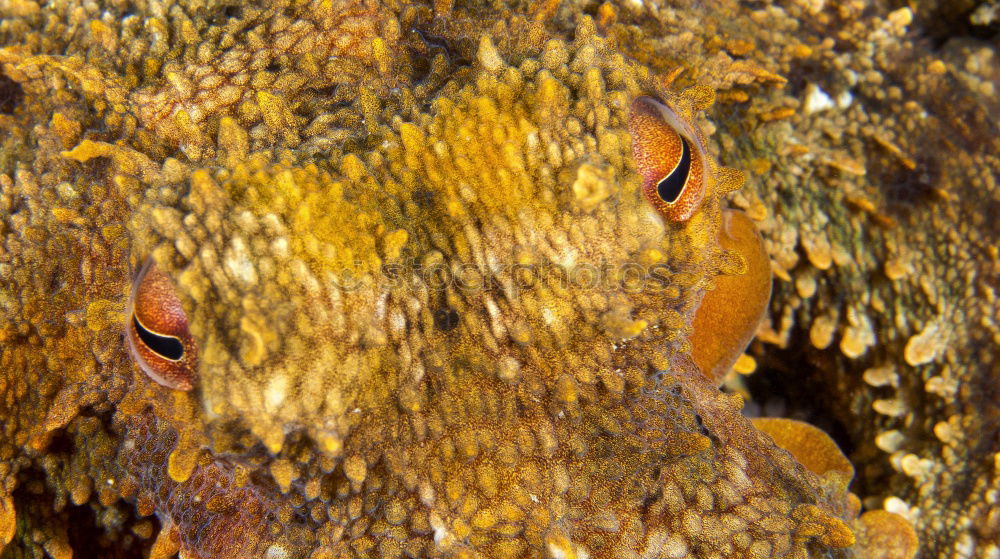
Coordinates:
x,y
671,161
886,535
729,315
811,446
157,331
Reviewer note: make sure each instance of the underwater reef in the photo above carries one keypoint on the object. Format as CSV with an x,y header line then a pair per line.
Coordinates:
x,y
360,278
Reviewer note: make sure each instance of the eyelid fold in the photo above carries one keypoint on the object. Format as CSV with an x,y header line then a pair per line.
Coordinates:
x,y
157,332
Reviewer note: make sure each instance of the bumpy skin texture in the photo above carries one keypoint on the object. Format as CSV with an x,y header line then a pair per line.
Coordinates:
x,y
383,226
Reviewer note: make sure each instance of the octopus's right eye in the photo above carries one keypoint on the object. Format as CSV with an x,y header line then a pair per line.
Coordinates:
x,y
157,331
671,163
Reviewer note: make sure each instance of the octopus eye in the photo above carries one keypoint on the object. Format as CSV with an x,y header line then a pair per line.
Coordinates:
x,y
157,331
669,158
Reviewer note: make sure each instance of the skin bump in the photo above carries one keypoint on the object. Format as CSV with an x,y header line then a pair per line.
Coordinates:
x,y
730,314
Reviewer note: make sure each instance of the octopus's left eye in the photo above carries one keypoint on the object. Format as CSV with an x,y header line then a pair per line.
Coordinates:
x,y
157,331
670,160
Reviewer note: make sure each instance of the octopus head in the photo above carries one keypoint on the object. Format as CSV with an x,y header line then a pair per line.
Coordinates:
x,y
507,238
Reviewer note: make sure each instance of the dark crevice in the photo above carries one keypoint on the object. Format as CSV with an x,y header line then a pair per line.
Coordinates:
x,y
787,384
11,94
951,19
92,531
908,189
90,540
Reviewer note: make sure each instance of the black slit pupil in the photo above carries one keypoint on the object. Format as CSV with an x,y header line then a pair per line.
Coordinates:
x,y
670,187
167,347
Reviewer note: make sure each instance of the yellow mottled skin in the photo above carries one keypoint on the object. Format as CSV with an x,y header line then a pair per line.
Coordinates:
x,y
434,315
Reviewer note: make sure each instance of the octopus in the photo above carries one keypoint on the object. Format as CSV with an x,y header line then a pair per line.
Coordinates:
x,y
345,278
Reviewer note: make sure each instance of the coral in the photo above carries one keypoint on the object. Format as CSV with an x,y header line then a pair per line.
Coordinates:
x,y
883,254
